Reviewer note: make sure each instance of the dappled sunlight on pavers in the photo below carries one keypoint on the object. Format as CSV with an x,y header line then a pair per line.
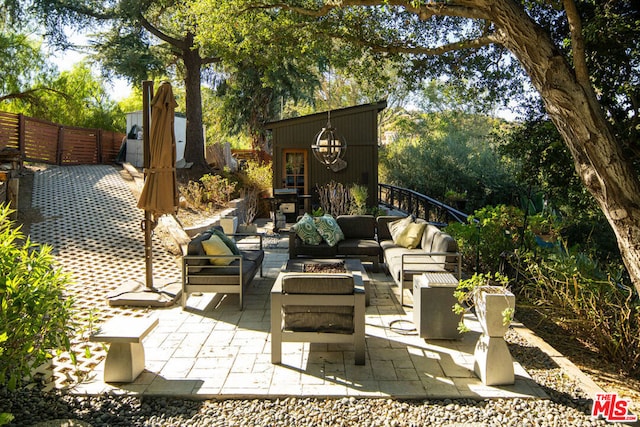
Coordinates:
x,y
212,349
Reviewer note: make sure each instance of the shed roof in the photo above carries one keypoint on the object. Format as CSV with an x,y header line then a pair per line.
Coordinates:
x,y
378,106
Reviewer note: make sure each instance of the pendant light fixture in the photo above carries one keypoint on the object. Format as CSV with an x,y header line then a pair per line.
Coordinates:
x,y
329,148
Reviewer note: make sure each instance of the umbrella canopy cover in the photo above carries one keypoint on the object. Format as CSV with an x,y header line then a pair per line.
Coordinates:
x,y
160,192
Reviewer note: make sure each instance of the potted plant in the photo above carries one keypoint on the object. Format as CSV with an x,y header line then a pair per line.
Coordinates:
x,y
248,210
494,305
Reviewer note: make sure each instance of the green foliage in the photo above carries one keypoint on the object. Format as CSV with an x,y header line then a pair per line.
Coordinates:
x,y
467,290
35,314
210,192
489,232
86,102
31,86
545,168
258,175
5,418
24,73
359,195
589,300
456,148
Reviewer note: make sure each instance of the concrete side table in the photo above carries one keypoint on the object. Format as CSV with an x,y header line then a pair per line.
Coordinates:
x,y
125,358
432,306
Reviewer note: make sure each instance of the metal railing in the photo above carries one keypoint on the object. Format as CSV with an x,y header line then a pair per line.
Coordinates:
x,y
413,203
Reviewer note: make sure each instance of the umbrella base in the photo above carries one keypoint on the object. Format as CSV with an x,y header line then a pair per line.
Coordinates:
x,y
135,293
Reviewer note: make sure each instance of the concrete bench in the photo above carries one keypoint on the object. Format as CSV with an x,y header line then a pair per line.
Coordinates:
x,y
125,357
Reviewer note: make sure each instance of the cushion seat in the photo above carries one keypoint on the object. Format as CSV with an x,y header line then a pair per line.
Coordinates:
x,y
219,271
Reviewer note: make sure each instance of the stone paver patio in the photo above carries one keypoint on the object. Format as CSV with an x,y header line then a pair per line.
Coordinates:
x,y
214,350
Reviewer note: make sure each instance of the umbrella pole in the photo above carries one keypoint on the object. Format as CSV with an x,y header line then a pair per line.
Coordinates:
x,y
147,95
135,292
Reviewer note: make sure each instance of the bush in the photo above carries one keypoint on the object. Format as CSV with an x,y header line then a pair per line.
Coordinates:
x,y
35,315
590,301
489,233
594,302
212,191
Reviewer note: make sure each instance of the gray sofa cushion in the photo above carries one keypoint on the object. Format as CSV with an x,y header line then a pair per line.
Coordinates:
x,y
427,237
357,226
337,319
195,248
317,283
369,247
215,275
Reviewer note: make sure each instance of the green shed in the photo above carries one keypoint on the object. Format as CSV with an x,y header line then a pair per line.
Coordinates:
x,y
296,168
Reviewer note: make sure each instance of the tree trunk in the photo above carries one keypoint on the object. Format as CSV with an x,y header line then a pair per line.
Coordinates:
x,y
576,112
194,148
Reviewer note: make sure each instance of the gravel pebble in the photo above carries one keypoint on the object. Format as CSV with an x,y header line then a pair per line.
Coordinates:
x,y
567,406
112,410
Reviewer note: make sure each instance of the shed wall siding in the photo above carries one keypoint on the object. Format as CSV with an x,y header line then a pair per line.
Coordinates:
x,y
360,130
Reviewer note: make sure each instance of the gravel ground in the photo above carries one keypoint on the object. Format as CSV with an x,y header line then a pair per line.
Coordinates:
x,y
31,408
567,406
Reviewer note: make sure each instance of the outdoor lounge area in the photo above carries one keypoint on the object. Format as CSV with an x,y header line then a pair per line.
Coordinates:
x,y
215,350
212,348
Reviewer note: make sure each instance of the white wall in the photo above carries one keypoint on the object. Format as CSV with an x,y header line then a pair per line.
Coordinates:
x,y
134,147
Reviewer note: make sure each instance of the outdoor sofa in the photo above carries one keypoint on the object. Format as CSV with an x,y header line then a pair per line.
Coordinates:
x,y
422,248
359,241
209,268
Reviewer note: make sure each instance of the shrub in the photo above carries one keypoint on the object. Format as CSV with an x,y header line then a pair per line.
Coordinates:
x,y
212,191
359,195
489,233
35,315
590,301
257,181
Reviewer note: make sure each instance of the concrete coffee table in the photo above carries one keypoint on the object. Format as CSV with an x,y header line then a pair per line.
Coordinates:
x,y
352,265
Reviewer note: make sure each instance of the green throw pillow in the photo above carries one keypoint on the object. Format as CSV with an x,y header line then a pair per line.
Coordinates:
x,y
306,230
329,229
227,240
411,235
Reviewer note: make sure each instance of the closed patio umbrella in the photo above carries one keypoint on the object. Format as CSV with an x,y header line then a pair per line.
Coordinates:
x,y
160,192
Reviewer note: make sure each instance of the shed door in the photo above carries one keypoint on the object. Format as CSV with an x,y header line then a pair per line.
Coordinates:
x,y
295,170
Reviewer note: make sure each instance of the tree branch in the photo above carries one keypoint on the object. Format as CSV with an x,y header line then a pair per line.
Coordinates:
x,y
577,43
424,11
180,44
476,43
31,94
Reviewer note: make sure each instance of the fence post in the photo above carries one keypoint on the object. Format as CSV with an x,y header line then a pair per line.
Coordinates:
x,y
21,136
99,146
60,145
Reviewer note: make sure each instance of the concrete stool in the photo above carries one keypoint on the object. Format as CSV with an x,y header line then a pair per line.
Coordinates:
x,y
125,358
432,306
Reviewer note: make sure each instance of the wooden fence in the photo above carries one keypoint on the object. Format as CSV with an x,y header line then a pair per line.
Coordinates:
x,y
45,142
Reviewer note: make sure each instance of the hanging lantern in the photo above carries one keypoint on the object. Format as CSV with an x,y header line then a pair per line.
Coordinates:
x,y
329,148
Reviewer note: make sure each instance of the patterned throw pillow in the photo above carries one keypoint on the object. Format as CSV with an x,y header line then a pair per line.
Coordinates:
x,y
306,230
397,227
329,229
